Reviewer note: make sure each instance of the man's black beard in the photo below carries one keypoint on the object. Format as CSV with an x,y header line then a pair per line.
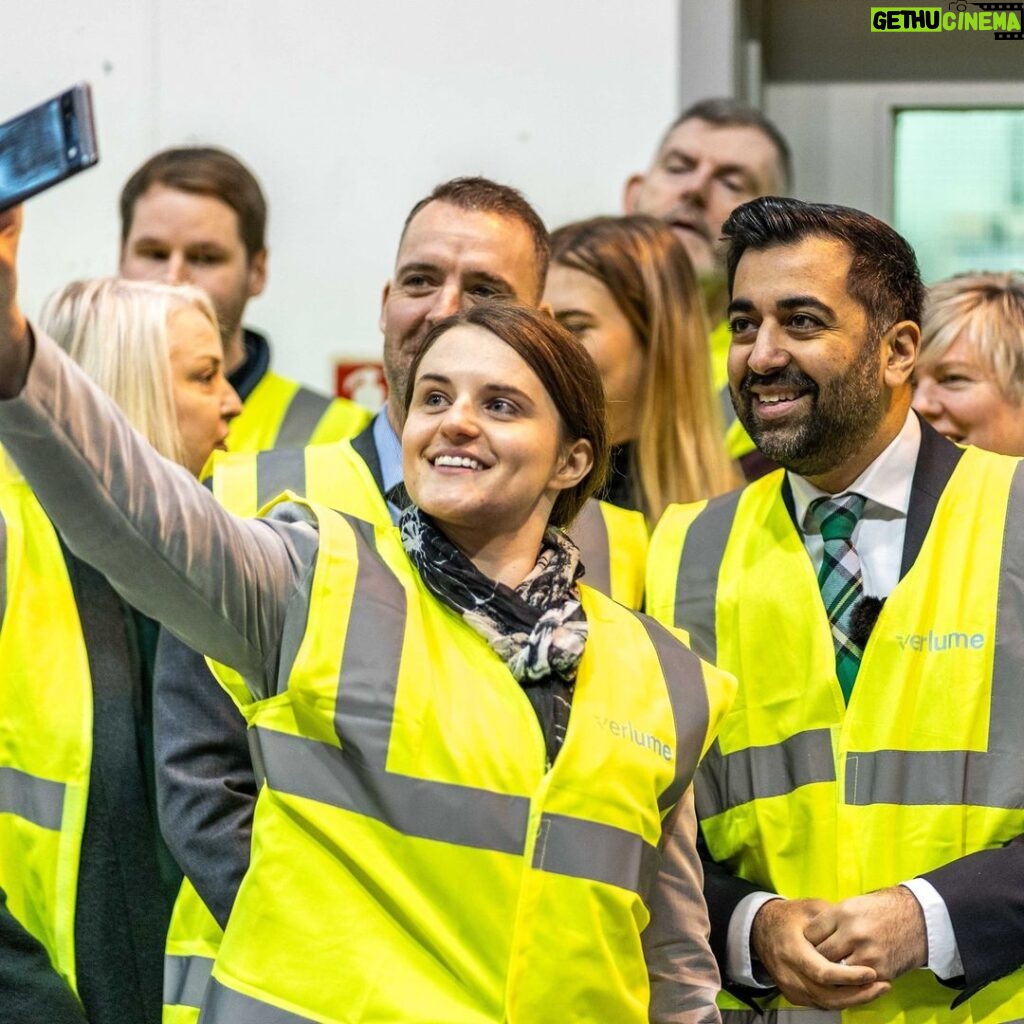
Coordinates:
x,y
844,414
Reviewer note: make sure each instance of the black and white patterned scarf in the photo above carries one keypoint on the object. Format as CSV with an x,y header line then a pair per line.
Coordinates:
x,y
538,629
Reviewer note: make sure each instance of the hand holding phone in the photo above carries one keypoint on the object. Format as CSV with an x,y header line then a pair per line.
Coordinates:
x,y
46,145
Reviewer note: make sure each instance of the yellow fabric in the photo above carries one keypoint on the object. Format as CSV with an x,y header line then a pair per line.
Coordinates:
x,y
737,440
627,549
193,933
813,841
45,723
256,428
341,918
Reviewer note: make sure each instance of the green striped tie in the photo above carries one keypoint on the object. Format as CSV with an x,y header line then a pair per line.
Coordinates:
x,y
839,578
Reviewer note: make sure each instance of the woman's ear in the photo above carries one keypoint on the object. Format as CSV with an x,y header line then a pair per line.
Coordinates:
x,y
575,462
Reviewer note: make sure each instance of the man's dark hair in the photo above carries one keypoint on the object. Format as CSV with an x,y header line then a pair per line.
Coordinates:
x,y
724,112
487,196
206,171
883,277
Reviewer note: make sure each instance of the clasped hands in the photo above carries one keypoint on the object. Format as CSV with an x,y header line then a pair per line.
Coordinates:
x,y
836,955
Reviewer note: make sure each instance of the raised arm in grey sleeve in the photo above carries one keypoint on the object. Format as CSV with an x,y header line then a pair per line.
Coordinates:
x,y
220,582
682,969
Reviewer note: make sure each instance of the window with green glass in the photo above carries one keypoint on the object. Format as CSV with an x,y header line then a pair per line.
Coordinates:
x,y
958,187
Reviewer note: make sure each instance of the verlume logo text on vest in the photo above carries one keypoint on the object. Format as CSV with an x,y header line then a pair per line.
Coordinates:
x,y
935,642
628,731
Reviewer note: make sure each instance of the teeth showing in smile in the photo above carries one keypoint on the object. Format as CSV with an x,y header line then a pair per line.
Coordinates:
x,y
773,399
460,461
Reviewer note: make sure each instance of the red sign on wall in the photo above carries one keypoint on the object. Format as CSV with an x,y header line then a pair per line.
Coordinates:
x,y
362,382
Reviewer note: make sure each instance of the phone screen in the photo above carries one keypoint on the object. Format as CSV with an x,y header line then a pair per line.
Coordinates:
x,y
45,145
32,149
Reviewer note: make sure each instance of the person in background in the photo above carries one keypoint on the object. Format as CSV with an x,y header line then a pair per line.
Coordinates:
x,y
465,814
85,872
197,215
969,381
718,154
625,287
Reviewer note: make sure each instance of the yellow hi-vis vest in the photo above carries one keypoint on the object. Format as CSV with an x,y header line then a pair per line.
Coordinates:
x,y
737,440
45,727
613,543
281,412
807,797
413,859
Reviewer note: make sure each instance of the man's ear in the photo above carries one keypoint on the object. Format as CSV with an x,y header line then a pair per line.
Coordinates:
x,y
631,193
575,463
901,350
385,292
257,273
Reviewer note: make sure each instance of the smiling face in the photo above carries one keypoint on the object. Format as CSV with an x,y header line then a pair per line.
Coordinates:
x,y
960,397
701,174
450,258
814,389
483,448
188,238
204,401
583,305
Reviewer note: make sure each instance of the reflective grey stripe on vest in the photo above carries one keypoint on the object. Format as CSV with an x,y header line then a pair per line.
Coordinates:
x,y
446,812
699,565
728,780
279,470
590,849
40,801
226,1006
803,1015
989,778
684,678
372,656
589,533
305,411
186,979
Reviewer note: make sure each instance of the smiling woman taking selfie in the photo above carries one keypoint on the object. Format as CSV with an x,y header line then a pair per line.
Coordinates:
x,y
467,814
88,881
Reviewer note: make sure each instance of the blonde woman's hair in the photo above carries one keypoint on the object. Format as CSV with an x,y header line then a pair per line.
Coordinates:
x,y
987,309
116,330
679,454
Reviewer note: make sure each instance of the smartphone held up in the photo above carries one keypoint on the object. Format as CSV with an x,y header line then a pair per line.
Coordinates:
x,y
46,145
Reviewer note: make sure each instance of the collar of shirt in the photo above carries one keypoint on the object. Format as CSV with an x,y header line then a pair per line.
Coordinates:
x,y
878,536
389,451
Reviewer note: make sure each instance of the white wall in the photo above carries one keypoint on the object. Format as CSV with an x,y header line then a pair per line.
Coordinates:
x,y
349,112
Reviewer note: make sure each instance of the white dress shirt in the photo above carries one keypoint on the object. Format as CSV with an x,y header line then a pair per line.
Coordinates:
x,y
878,538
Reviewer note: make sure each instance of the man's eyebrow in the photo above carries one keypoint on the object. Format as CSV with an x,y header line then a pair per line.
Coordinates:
x,y
418,266
681,154
806,302
740,306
